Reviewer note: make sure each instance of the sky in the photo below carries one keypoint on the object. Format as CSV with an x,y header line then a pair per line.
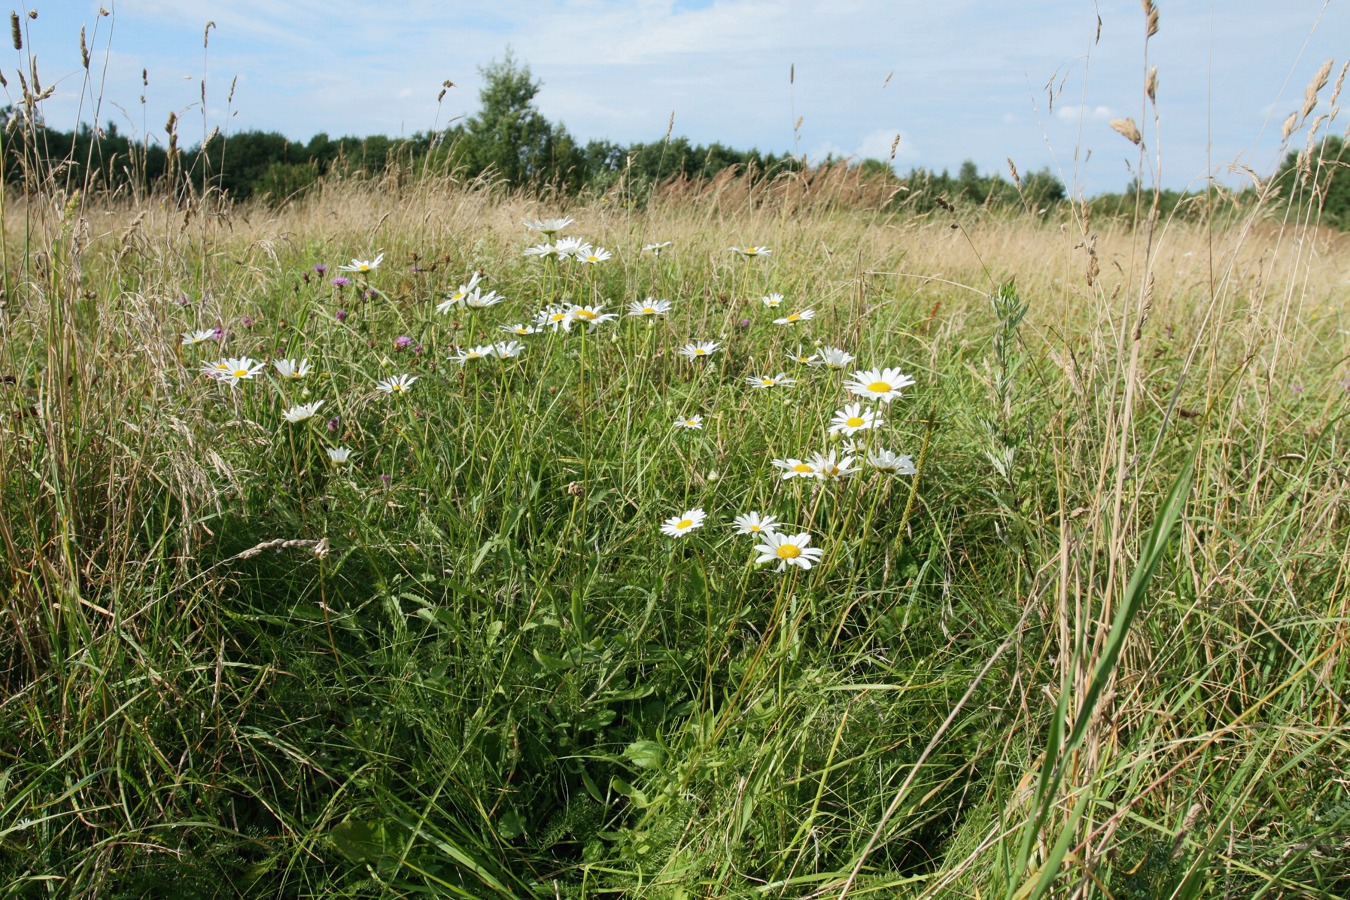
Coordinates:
x,y
1035,81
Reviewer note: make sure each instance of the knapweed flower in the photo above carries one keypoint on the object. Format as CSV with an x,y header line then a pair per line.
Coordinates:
x,y
363,265
543,251
853,418
830,467
788,550
794,318
198,337
289,368
482,351
699,349
591,315
341,281
339,455
834,358
655,249
591,255
402,342
692,422
233,370
878,384
796,468
772,301
340,315
396,384
548,227
507,349
520,329
754,523
303,412
894,463
320,268
685,522
649,307
768,381
747,252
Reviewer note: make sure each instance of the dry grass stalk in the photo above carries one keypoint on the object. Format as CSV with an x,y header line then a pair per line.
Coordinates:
x,y
1310,92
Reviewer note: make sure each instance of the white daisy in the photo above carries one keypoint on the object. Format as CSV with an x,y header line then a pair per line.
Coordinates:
x,y
543,251
834,358
831,467
554,317
396,384
697,349
768,381
303,412
685,522
655,248
649,307
751,251
788,550
692,422
754,523
796,468
289,368
548,227
591,315
233,370
363,265
806,359
878,384
191,338
478,300
591,256
772,301
895,463
793,318
566,247
482,351
520,329
339,455
507,349
853,418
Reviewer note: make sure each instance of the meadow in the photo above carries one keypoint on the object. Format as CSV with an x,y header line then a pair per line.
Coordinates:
x,y
371,546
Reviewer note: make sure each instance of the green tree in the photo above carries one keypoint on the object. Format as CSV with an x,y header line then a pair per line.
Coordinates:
x,y
1323,184
510,137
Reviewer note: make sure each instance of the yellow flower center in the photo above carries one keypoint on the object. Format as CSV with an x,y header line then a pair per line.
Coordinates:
x,y
802,467
699,351
789,551
767,382
684,523
755,529
364,267
794,317
240,373
585,314
854,422
879,387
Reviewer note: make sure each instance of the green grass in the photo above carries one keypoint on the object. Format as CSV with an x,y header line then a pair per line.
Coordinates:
x,y
1096,647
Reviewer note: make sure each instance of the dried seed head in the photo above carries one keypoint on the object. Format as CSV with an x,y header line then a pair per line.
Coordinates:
x,y
1151,84
206,34
1151,17
895,142
1012,168
84,49
1127,129
15,32
1288,127
1310,92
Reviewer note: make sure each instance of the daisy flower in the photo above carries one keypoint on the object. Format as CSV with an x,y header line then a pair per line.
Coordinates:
x,y
520,329
773,301
796,468
655,248
198,337
696,349
478,300
363,265
796,317
649,307
548,227
788,550
554,316
806,359
543,251
233,370
747,252
289,368
507,349
591,315
302,412
591,255
571,246
831,467
339,455
692,422
685,522
878,384
467,353
852,418
894,463
397,384
834,358
768,381
457,297
754,523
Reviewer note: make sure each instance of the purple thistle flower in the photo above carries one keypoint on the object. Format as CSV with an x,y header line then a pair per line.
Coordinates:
x,y
402,342
334,424
340,281
340,315
320,268
220,333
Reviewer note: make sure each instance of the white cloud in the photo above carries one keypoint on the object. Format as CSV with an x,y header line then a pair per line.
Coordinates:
x,y
1073,113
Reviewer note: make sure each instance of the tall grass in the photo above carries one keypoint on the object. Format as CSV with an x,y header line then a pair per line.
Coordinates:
x,y
1095,647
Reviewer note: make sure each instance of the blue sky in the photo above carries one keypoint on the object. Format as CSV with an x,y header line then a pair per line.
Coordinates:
x,y
955,79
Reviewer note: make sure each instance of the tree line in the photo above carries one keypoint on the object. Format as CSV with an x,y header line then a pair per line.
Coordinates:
x,y
510,141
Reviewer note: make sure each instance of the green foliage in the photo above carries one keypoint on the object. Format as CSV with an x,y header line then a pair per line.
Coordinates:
x,y
1317,183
